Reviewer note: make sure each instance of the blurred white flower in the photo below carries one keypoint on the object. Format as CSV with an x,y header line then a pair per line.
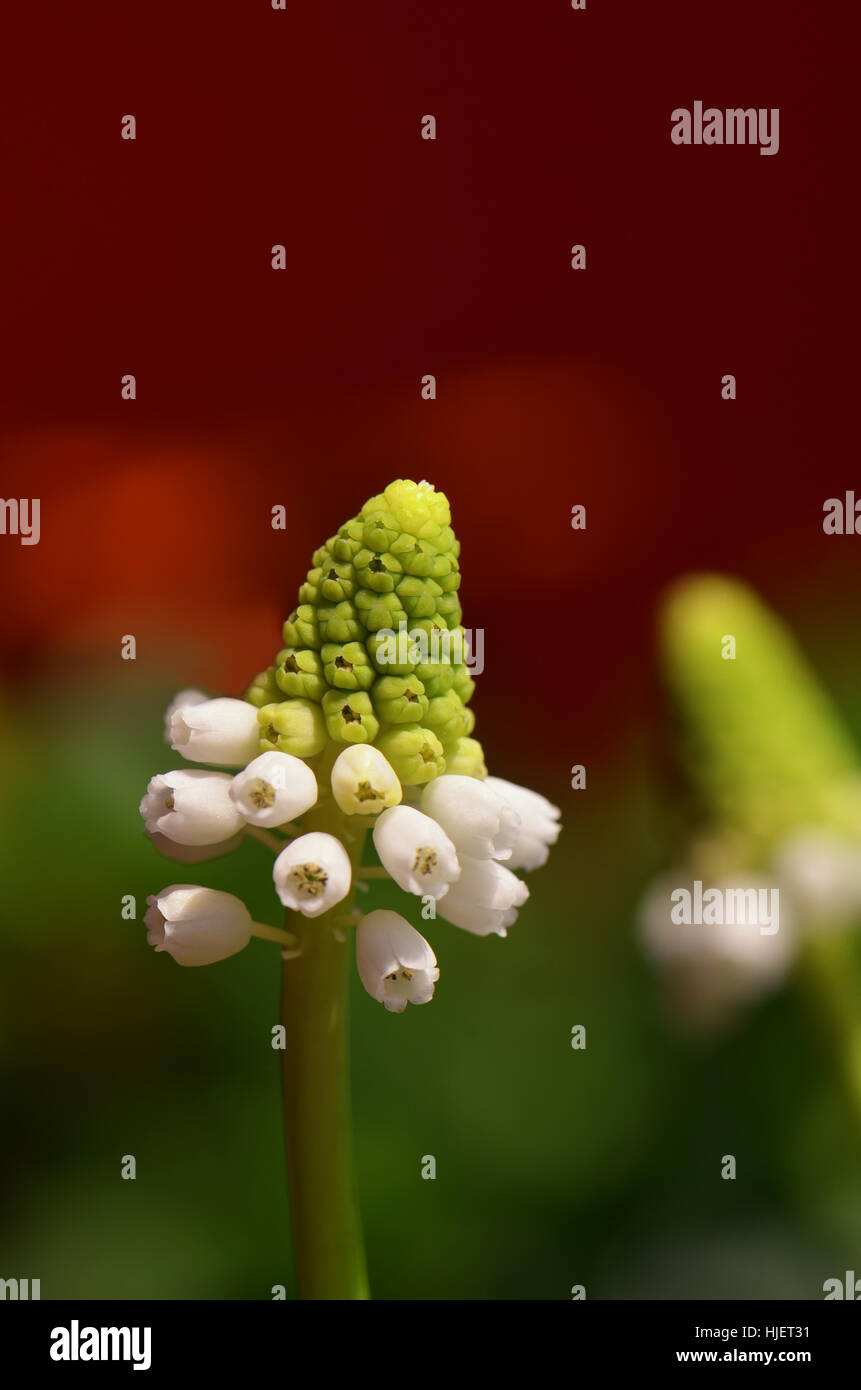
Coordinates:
x,y
539,823
395,963
485,898
273,788
191,806
364,781
416,851
712,967
216,731
479,822
822,872
197,926
312,873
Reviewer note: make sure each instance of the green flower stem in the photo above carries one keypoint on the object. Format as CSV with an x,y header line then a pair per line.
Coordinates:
x,y
830,975
327,1231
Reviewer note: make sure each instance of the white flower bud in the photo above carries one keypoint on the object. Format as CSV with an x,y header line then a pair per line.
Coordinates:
x,y
539,827
396,965
197,926
191,806
416,851
312,874
216,731
364,781
182,698
485,898
193,854
273,788
479,822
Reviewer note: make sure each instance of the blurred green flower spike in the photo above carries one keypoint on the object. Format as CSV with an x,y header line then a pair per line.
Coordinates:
x,y
776,786
760,741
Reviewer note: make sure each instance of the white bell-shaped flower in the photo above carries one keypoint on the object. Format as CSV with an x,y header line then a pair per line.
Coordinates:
x,y
180,699
479,822
416,851
197,926
273,788
216,731
312,873
364,781
396,965
485,898
539,823
191,806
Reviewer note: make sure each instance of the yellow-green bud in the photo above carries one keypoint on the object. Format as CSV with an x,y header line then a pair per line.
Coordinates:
x,y
350,717
263,690
301,628
299,673
293,726
446,715
347,667
339,623
466,759
399,699
415,753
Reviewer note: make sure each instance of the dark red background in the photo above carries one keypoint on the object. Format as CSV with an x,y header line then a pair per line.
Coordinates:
x,y
405,257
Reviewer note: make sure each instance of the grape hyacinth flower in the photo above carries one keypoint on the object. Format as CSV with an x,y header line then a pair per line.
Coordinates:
x,y
214,731
539,823
273,789
191,806
481,823
416,851
396,965
350,743
312,874
485,898
198,926
364,781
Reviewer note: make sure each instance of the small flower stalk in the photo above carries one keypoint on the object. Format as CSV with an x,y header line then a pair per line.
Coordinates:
x,y
356,741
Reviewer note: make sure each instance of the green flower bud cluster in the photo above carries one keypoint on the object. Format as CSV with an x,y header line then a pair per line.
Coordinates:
x,y
342,676
759,740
